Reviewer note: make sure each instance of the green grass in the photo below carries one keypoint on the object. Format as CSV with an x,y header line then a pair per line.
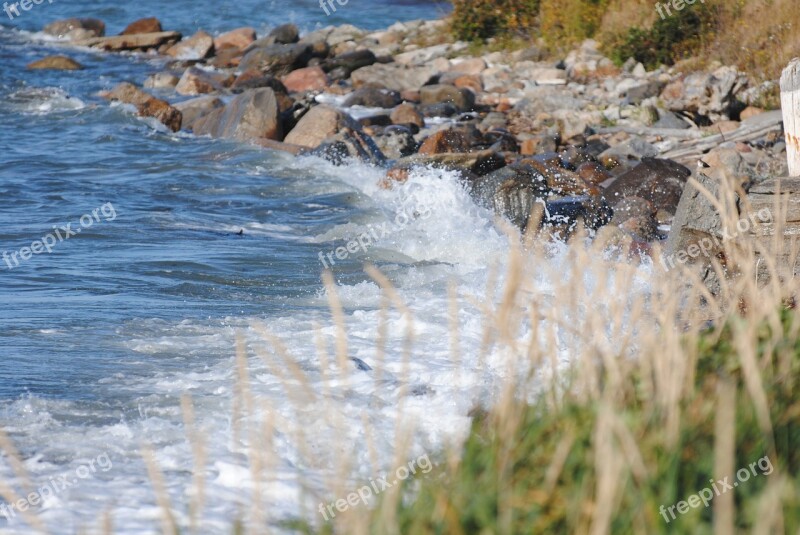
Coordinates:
x,y
544,475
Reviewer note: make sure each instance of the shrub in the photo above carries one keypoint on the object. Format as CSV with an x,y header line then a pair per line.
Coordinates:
x,y
482,19
669,40
566,22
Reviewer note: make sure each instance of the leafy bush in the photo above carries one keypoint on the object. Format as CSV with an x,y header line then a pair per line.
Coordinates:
x,y
481,19
669,40
566,22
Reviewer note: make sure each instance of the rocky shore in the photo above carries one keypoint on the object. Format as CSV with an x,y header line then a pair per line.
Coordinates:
x,y
570,140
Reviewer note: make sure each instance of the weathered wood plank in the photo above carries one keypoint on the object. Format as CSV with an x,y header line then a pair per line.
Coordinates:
x,y
790,102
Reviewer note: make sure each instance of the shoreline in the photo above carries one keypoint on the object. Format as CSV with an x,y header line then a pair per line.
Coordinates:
x,y
557,145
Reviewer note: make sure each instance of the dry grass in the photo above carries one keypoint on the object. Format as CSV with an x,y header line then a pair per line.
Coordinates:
x,y
620,368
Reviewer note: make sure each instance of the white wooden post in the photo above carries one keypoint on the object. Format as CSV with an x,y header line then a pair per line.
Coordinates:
x,y
790,103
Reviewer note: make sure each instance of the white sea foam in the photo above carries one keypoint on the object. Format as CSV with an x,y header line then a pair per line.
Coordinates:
x,y
301,430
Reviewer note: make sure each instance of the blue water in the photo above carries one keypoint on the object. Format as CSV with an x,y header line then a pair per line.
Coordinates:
x,y
101,337
166,254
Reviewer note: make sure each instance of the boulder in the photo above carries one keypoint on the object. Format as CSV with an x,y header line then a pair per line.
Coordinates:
x,y
277,59
320,123
239,39
149,25
257,79
660,182
348,62
391,76
197,82
469,164
76,28
396,142
285,34
306,79
197,107
511,192
463,99
407,114
373,97
514,192
57,63
593,173
251,115
697,222
539,143
197,47
473,66
142,41
147,105
348,145
445,141
161,80
632,149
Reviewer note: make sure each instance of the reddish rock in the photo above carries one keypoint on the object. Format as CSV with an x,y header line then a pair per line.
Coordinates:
x,y
445,141
750,111
306,79
472,82
318,124
147,105
197,82
593,173
239,38
199,46
227,58
57,63
150,25
396,175
407,114
410,95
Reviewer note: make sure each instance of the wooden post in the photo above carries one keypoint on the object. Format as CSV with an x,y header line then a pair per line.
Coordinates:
x,y
790,103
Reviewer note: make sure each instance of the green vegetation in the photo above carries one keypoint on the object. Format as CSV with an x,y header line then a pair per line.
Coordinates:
x,y
482,19
542,469
759,36
669,40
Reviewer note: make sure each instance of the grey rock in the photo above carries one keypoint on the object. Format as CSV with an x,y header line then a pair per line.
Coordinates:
x,y
374,98
285,34
634,148
667,119
349,62
76,28
463,99
396,142
661,182
277,59
198,107
348,145
249,116
392,76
